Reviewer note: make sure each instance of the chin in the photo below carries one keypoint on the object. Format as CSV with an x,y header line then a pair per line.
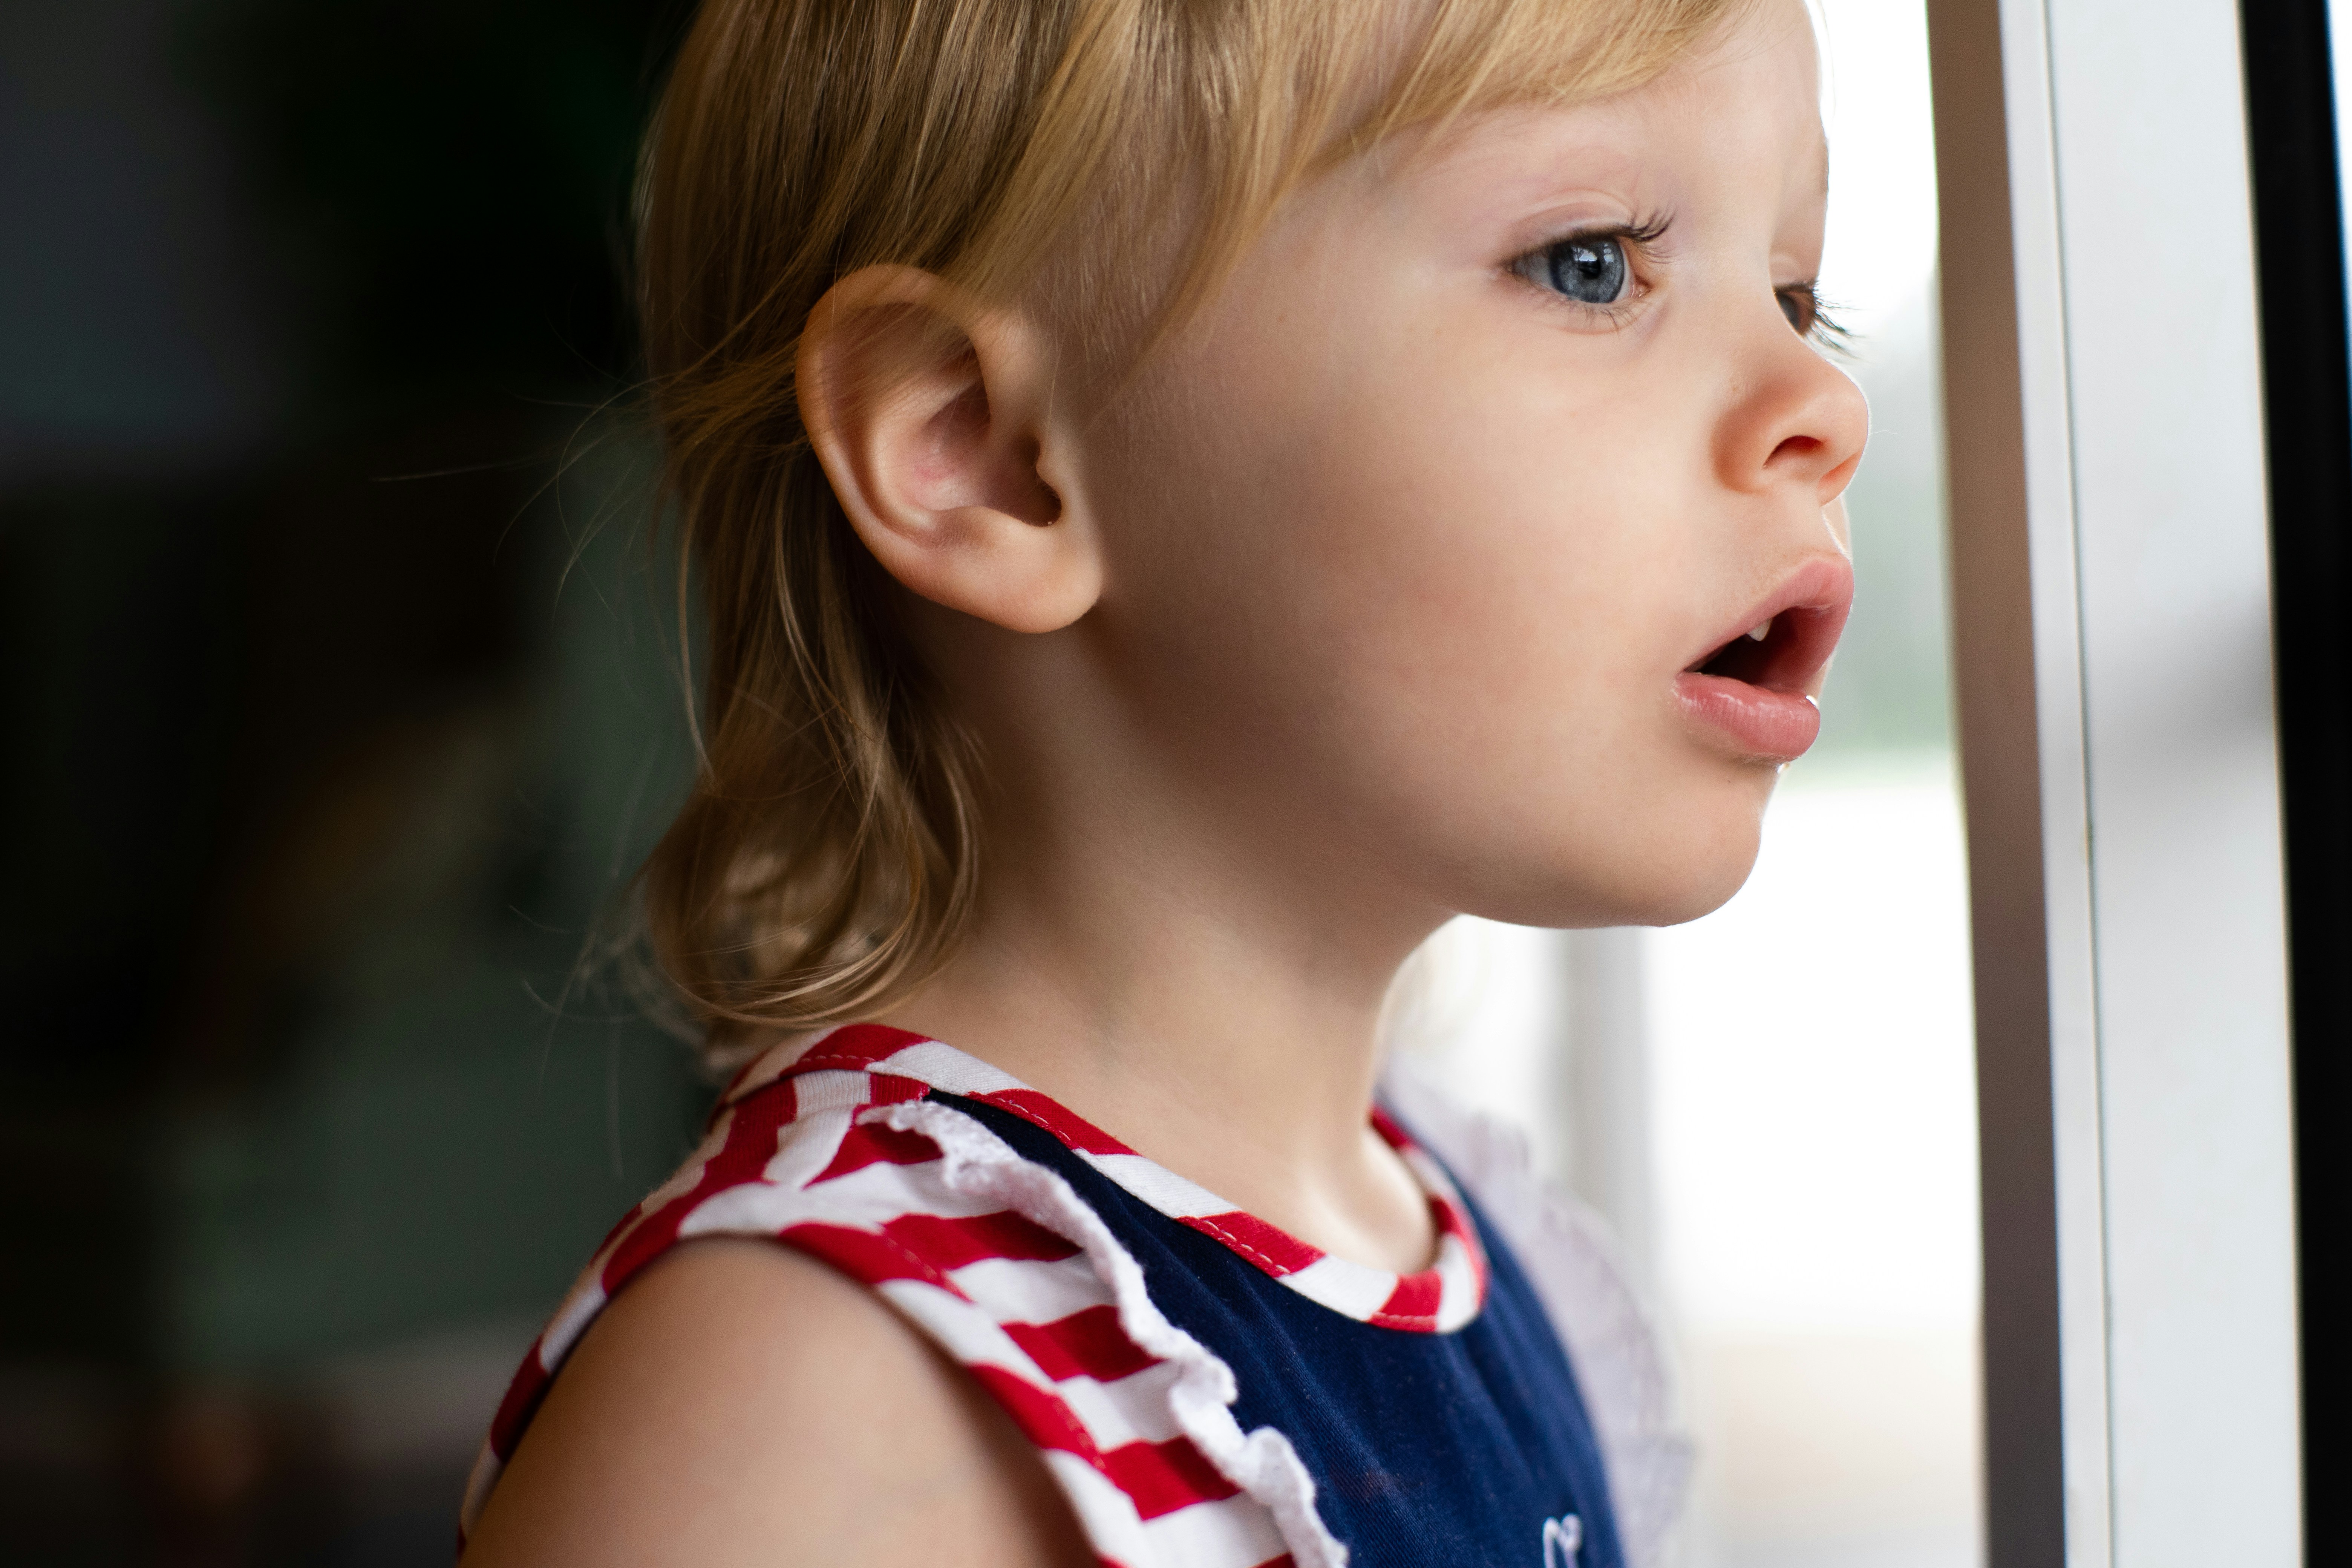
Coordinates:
x,y
1654,847
1660,878
1697,896
1694,874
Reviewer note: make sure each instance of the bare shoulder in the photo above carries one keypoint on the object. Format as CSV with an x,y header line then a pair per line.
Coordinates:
x,y
742,1403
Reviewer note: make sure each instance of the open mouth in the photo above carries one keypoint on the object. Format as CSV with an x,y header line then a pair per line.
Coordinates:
x,y
1781,653
1753,688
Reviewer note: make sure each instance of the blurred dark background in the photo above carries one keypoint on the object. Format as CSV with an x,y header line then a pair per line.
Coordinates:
x,y
337,709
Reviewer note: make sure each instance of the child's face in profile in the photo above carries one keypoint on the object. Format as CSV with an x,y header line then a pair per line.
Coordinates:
x,y
1457,506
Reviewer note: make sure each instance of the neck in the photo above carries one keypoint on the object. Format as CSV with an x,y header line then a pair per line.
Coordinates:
x,y
1210,998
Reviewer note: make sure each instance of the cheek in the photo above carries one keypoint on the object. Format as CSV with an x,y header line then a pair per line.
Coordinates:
x,y
1459,540
1430,584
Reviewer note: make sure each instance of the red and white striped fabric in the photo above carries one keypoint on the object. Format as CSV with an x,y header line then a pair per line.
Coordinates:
x,y
828,1146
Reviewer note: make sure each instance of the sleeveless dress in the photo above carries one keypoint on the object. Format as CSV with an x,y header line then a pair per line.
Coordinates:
x,y
1207,1391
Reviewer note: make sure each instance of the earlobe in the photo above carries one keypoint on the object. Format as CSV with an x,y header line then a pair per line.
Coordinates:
x,y
934,418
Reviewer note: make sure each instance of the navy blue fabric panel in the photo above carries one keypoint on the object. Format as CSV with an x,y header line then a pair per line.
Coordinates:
x,y
1426,1450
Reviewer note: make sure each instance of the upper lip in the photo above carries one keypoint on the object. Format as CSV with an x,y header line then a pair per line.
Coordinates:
x,y
1806,610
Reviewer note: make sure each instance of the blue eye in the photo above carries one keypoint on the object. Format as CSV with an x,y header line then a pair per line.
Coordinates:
x,y
1588,268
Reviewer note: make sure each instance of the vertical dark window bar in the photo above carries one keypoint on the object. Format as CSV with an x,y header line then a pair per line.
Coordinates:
x,y
2307,386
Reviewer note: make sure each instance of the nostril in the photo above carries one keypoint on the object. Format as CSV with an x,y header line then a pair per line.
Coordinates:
x,y
1834,482
1796,448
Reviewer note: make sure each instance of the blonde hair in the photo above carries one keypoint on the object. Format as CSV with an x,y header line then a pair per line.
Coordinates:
x,y
828,856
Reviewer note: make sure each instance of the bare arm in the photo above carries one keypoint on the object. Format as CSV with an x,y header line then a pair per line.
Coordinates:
x,y
742,1404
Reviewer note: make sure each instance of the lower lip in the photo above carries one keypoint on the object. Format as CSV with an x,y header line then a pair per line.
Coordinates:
x,y
1769,726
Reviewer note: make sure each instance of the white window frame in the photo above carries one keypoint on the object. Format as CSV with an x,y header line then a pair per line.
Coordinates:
x,y
2111,585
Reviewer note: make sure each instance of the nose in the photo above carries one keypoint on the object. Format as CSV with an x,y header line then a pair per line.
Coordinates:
x,y
1794,420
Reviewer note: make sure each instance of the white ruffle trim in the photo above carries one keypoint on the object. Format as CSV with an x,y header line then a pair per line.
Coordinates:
x,y
1262,1463
1571,1258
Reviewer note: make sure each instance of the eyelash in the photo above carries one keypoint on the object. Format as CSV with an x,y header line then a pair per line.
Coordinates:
x,y
1815,324
1820,328
1640,243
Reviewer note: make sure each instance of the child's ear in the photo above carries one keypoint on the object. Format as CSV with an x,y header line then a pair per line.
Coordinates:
x,y
934,418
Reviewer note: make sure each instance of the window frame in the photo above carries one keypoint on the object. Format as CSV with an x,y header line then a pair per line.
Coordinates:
x,y
2112,613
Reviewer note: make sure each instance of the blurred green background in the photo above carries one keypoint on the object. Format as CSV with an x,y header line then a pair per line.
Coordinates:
x,y
340,707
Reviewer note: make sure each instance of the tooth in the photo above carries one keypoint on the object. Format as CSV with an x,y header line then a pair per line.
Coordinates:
x,y
1761,631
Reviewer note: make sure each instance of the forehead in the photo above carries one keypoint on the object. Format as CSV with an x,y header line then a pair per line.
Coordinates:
x,y
1741,115
1758,84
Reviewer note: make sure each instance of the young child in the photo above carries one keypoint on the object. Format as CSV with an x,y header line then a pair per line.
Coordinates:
x,y
1186,496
